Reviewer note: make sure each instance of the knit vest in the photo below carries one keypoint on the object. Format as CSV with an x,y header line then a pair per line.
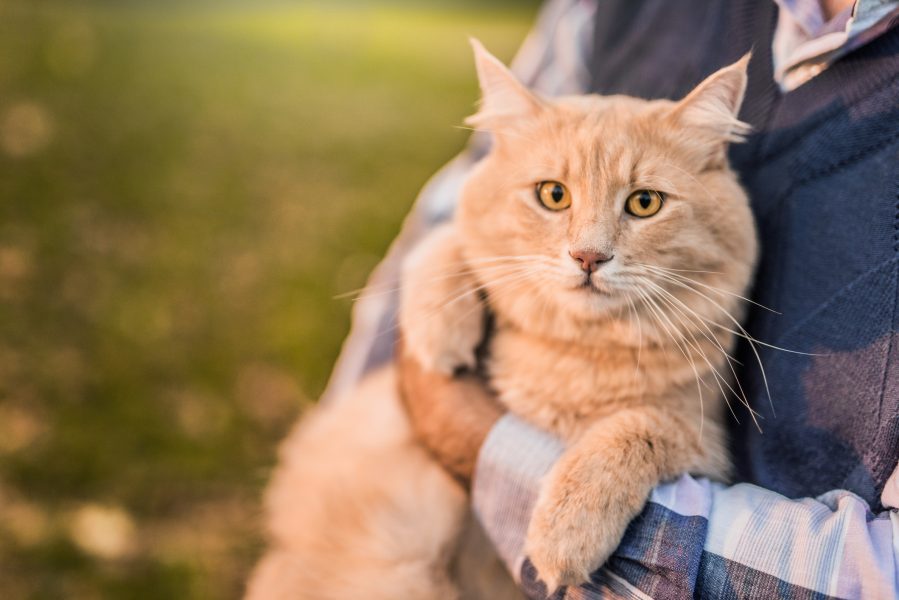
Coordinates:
x,y
822,172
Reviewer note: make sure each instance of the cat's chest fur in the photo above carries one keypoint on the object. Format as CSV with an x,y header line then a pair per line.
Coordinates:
x,y
563,387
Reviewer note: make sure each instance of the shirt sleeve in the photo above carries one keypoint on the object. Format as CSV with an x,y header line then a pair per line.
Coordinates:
x,y
696,538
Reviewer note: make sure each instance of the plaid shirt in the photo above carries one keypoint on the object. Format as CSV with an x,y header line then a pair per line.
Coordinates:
x,y
695,538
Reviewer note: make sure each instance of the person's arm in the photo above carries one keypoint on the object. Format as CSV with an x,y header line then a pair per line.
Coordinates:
x,y
696,538
449,433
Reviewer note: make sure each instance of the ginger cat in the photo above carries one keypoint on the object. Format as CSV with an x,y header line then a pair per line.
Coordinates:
x,y
612,243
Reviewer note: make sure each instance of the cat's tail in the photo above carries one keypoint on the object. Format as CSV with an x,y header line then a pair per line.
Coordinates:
x,y
357,510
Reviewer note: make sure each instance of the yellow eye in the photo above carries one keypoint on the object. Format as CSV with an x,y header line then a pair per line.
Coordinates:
x,y
644,203
553,195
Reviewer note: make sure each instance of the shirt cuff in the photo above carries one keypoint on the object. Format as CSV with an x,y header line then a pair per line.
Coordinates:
x,y
512,462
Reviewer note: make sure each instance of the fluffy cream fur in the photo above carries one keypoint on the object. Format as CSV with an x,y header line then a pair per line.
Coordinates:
x,y
628,364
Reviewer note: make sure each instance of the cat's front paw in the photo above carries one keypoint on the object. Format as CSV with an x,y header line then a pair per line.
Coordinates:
x,y
565,553
571,535
441,313
445,339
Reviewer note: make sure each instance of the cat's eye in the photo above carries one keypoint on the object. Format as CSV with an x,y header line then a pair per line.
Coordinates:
x,y
644,203
553,195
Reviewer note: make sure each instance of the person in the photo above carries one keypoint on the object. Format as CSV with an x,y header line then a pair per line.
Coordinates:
x,y
812,513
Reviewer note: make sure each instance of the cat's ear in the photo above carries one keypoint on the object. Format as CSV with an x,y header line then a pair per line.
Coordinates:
x,y
503,97
710,111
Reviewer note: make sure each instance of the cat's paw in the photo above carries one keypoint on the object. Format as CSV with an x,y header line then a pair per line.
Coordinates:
x,y
445,338
441,314
572,533
564,550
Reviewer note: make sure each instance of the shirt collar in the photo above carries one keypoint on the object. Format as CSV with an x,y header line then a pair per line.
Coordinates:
x,y
805,44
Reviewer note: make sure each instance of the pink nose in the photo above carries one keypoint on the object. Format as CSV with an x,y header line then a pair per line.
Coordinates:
x,y
590,260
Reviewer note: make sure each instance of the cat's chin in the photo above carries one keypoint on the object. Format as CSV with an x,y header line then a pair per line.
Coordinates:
x,y
590,301
593,293
589,288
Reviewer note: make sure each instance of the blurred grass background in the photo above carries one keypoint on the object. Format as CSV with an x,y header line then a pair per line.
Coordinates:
x,y
184,188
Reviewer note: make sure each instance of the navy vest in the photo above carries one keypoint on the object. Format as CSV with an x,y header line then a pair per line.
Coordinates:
x,y
822,170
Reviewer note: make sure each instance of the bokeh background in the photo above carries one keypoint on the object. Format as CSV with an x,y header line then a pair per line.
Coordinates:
x,y
185,186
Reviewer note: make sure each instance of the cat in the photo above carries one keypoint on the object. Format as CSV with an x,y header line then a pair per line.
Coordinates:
x,y
611,243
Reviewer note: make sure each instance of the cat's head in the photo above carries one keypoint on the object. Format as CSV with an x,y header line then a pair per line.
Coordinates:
x,y
585,204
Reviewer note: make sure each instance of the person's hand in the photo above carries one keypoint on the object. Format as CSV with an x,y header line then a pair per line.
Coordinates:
x,y
451,416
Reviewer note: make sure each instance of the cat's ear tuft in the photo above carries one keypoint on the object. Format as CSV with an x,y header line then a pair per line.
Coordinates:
x,y
503,97
711,109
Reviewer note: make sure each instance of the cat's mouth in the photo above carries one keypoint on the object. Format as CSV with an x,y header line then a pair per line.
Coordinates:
x,y
587,285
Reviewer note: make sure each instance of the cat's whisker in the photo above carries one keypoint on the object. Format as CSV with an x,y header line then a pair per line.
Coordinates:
x,y
514,263
474,290
680,315
695,319
378,291
718,377
386,288
669,328
447,273
501,289
694,315
710,335
524,273
701,399
482,130
505,257
634,315
706,286
670,270
510,271
687,286
648,302
741,333
496,284
468,313
680,334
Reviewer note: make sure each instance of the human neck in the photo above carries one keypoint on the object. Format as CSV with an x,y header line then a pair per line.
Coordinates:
x,y
831,8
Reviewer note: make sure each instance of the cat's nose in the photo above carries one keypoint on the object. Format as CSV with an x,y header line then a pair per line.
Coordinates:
x,y
590,260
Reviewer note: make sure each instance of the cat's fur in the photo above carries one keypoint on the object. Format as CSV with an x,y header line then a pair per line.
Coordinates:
x,y
622,369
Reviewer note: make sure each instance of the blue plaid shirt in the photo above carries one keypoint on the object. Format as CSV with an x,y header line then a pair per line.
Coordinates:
x,y
695,538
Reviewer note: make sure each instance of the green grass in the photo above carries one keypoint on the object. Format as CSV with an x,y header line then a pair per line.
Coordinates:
x,y
184,188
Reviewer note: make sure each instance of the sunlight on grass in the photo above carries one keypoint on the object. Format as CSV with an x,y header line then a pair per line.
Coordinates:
x,y
184,188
